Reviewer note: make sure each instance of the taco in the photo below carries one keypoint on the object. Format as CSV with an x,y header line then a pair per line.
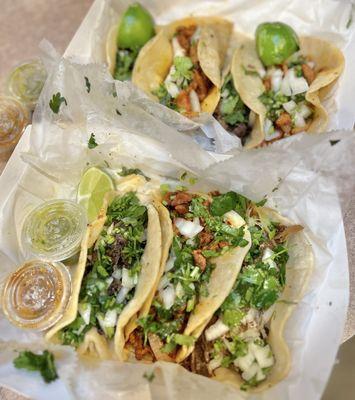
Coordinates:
x,y
181,66
204,245
118,265
285,94
243,344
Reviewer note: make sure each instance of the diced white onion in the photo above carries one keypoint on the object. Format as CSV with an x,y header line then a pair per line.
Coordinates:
x,y
172,88
262,355
251,318
127,280
170,263
188,229
121,295
85,311
266,258
110,229
304,110
260,376
117,274
190,242
251,372
276,80
299,120
177,49
290,106
164,282
216,330
252,333
179,290
268,127
110,318
297,84
215,363
195,102
245,362
274,135
109,281
234,219
285,85
168,297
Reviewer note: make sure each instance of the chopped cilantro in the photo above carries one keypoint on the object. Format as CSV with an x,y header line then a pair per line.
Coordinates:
x,y
164,97
88,84
44,363
149,376
132,171
92,142
125,59
183,69
56,102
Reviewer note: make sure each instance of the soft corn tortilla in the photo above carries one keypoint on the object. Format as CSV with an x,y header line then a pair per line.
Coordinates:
x,y
298,271
156,57
221,282
95,344
329,62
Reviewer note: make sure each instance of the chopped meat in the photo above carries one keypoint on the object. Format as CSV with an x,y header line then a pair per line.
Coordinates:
x,y
136,340
156,345
114,288
182,209
267,83
115,250
199,259
181,198
284,122
223,244
241,130
205,238
283,232
183,102
308,73
193,54
184,35
200,84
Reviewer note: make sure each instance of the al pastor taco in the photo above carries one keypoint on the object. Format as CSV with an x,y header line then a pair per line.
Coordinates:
x,y
283,80
243,344
118,266
204,247
181,66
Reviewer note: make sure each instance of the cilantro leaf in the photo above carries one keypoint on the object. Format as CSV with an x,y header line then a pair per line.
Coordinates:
x,y
92,142
223,203
149,376
164,97
130,171
125,59
183,66
88,84
56,102
184,340
44,363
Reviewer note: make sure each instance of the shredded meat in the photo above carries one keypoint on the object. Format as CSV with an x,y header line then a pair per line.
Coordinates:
x,y
136,341
205,237
184,35
199,259
115,250
181,198
182,209
284,122
267,83
200,84
308,73
183,101
156,344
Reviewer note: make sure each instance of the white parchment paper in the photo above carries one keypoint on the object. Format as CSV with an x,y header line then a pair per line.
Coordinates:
x,y
327,19
302,176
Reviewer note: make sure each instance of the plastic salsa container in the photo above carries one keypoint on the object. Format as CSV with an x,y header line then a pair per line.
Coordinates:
x,y
14,117
35,296
54,230
26,81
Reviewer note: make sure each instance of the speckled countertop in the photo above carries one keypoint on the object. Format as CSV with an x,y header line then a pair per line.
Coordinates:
x,y
24,23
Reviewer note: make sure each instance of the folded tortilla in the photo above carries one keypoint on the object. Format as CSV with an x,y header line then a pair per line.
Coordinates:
x,y
156,57
95,344
298,271
329,62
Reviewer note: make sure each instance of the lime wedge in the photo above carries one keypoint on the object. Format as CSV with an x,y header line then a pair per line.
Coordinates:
x,y
93,186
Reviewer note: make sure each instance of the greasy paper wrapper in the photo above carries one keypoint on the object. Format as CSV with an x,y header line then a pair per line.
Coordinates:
x,y
325,19
304,177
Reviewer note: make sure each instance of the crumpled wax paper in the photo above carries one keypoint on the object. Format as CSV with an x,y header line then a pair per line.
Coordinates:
x,y
327,19
303,176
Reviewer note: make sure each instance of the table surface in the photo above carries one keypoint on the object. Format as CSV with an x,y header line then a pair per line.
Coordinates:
x,y
57,22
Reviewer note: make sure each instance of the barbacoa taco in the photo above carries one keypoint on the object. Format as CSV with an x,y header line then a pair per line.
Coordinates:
x,y
243,344
181,66
284,84
203,250
118,266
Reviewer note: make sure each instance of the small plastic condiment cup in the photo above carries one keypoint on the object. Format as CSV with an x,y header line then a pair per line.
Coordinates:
x,y
14,117
25,82
36,295
54,230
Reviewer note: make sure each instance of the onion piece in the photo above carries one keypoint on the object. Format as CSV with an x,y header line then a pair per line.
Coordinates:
x,y
188,229
276,80
267,258
285,85
251,371
170,263
168,297
262,355
117,274
195,101
245,362
234,218
177,49
127,280
290,106
299,120
304,110
85,311
172,88
215,363
121,295
216,330
110,318
179,290
164,282
297,84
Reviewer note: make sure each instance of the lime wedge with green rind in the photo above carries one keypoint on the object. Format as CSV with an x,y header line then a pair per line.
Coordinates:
x,y
93,186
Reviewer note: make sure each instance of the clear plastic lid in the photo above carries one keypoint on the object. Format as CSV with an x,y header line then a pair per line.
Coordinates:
x,y
36,295
26,81
54,230
14,118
